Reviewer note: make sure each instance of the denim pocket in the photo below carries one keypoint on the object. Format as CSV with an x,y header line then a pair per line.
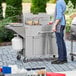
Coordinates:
x,y
58,28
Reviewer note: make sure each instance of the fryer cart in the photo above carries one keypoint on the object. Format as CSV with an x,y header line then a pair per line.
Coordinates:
x,y
38,40
73,37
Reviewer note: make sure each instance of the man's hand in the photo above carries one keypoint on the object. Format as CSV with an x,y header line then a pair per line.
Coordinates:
x,y
54,29
55,25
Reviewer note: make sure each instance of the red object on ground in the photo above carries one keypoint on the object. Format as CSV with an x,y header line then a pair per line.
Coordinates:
x,y
54,74
0,69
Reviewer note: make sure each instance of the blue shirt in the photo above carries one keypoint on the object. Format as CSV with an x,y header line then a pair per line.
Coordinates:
x,y
60,10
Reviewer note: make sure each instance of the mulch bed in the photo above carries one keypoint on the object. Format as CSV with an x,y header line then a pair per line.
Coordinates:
x,y
5,43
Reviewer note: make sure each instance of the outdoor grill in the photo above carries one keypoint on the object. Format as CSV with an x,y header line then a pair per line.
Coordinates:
x,y
73,37
38,40
73,29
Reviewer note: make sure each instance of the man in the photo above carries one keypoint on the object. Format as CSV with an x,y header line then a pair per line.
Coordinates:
x,y
58,28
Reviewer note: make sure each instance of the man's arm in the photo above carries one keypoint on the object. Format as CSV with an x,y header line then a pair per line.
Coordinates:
x,y
59,14
55,24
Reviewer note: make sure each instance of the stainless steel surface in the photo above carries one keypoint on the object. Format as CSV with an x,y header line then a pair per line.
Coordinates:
x,y
73,37
38,40
73,26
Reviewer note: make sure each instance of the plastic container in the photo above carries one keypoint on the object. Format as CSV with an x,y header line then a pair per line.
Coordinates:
x,y
0,69
6,70
17,43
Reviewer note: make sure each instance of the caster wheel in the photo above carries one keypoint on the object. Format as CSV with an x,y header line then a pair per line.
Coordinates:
x,y
25,60
18,57
72,58
54,56
21,52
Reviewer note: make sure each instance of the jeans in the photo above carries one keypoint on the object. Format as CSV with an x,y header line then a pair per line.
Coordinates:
x,y
62,54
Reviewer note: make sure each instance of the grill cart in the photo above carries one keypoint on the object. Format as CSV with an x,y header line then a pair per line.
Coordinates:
x,y
73,37
34,37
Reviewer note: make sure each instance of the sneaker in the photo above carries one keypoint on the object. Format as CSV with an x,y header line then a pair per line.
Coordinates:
x,y
59,62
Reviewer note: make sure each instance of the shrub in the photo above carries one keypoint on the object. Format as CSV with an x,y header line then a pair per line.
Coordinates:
x,y
74,3
68,29
52,1
4,0
5,34
1,16
38,6
68,23
26,1
66,1
69,8
14,9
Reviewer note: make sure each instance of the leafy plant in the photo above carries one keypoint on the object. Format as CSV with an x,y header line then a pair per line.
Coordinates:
x,y
38,6
5,34
14,9
26,1
74,3
69,12
68,23
4,1
70,7
52,1
68,28
66,1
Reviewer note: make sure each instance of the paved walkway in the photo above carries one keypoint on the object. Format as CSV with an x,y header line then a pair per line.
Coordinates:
x,y
8,57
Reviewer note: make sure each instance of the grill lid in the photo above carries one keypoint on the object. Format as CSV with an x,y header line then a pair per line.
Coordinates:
x,y
74,21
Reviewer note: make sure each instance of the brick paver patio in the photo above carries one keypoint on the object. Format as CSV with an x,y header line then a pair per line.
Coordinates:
x,y
8,57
